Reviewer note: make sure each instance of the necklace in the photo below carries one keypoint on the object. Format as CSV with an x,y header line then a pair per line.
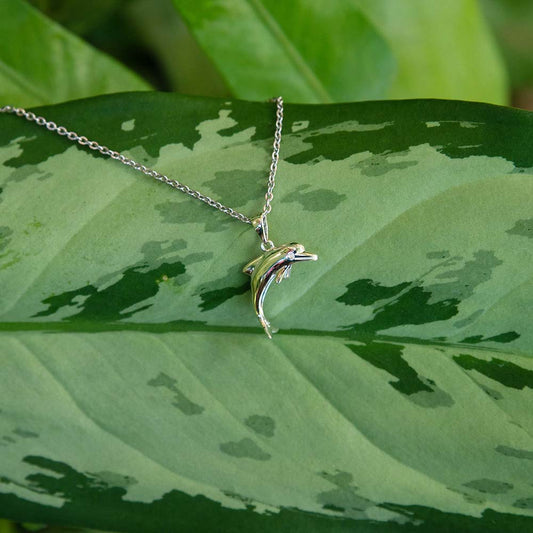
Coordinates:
x,y
274,264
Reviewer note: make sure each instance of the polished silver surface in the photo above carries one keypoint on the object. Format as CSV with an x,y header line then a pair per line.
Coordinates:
x,y
260,225
275,264
269,196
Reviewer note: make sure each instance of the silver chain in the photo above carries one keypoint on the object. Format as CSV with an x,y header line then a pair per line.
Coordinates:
x,y
269,196
104,150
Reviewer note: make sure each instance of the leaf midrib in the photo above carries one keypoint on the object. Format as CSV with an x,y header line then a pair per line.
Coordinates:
x,y
292,52
189,326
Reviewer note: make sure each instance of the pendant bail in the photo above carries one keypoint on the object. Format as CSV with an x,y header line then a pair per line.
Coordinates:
x,y
260,225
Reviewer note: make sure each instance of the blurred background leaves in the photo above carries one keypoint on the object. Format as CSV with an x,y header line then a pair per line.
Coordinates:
x,y
307,50
312,52
41,62
512,21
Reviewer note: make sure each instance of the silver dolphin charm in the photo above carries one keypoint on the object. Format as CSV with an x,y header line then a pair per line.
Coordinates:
x,y
274,264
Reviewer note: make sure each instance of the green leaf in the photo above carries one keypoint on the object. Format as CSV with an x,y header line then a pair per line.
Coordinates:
x,y
310,52
138,392
161,29
334,51
512,22
79,16
443,49
42,63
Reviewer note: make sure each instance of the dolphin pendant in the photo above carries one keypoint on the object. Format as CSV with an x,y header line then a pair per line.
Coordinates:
x,y
275,264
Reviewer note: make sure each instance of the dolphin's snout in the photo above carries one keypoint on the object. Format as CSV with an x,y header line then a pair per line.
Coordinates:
x,y
305,256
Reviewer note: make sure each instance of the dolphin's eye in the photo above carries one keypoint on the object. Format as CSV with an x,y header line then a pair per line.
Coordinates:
x,y
291,256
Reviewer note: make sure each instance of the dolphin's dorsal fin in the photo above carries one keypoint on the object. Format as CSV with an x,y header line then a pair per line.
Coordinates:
x,y
250,267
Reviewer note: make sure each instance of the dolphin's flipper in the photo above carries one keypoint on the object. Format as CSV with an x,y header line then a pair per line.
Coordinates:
x,y
282,273
288,270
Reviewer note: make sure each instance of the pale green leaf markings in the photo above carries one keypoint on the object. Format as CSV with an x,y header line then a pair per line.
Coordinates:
x,y
128,125
315,200
366,194
245,448
5,234
25,172
465,278
379,164
112,479
344,497
7,257
263,425
17,193
25,434
522,227
509,451
494,394
299,125
436,397
207,129
344,493
241,185
120,458
490,486
184,404
524,503
473,273
186,212
306,427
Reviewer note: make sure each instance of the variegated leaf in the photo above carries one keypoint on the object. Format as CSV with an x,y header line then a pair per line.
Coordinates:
x,y
137,390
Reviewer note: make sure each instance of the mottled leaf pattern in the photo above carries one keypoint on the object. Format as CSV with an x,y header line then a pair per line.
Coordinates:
x,y
137,390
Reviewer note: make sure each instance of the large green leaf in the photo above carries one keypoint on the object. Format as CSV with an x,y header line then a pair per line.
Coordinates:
x,y
138,392
320,51
443,49
42,63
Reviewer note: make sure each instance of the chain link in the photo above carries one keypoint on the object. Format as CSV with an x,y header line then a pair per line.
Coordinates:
x,y
269,196
104,150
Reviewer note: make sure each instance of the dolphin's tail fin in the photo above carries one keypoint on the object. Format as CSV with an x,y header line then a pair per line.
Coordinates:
x,y
266,326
